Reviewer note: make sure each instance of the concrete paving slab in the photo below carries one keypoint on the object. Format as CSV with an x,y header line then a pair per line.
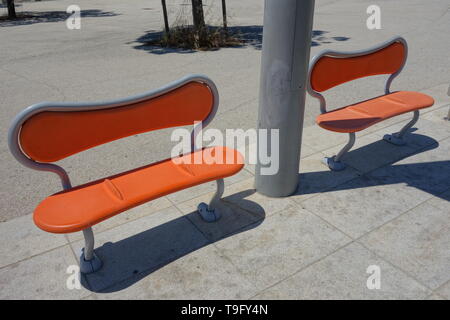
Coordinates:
x,y
203,274
142,245
244,195
42,277
371,152
423,128
442,201
435,296
416,242
316,177
233,218
427,172
362,204
440,95
283,244
342,275
22,239
440,116
320,139
444,291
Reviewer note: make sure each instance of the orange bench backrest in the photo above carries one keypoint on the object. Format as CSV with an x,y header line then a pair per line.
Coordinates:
x,y
54,135
330,71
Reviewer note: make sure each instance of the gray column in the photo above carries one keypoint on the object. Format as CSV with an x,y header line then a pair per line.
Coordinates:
x,y
284,67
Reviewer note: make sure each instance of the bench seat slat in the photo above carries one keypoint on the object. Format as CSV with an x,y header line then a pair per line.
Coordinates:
x,y
364,114
83,206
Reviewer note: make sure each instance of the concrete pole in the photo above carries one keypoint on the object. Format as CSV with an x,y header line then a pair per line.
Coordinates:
x,y
284,68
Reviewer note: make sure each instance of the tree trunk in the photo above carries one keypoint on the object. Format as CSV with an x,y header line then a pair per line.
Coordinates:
x,y
11,9
199,22
166,20
197,13
224,16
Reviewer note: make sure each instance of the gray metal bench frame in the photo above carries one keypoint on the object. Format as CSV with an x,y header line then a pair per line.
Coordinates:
x,y
89,261
334,162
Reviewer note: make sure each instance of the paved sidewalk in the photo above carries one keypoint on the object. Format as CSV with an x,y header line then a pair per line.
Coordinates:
x,y
389,208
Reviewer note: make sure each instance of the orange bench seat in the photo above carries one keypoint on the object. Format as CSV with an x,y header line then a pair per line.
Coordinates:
x,y
86,205
359,116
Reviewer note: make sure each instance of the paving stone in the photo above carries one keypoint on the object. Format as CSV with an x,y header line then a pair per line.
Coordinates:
x,y
444,291
434,296
23,239
320,139
441,201
424,133
362,204
244,195
283,244
371,152
343,275
42,277
233,218
142,245
427,171
316,177
203,274
440,96
417,242
440,116
306,151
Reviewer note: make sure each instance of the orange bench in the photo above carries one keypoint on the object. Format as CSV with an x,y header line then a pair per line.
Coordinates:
x,y
331,68
48,132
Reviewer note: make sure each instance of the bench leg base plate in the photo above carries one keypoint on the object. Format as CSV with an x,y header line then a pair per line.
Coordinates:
x,y
89,266
332,164
394,139
207,214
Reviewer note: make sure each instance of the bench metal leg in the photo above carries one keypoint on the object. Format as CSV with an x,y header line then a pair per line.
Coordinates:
x,y
334,162
210,213
397,138
89,261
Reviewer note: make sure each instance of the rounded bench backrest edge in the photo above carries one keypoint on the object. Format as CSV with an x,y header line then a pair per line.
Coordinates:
x,y
332,68
48,131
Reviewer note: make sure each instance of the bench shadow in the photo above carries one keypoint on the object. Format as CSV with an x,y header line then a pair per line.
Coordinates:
x,y
127,261
32,17
251,36
431,177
